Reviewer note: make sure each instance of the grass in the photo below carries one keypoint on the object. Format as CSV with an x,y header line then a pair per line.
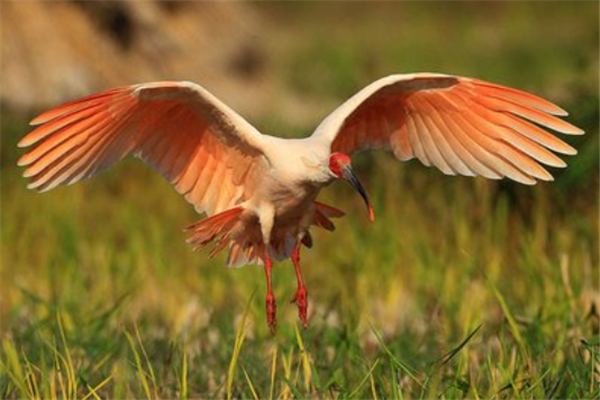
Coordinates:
x,y
462,288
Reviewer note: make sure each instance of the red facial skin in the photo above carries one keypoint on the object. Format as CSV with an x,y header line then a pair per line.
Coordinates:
x,y
337,161
339,165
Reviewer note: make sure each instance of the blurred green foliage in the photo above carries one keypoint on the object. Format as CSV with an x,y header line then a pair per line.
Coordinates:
x,y
462,288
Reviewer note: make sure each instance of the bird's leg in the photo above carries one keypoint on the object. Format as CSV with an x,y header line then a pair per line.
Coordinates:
x,y
301,297
270,299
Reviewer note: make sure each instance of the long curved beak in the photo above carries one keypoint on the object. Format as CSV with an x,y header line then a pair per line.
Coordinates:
x,y
349,176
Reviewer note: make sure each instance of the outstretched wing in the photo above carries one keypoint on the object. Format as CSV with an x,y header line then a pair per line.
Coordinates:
x,y
459,125
206,150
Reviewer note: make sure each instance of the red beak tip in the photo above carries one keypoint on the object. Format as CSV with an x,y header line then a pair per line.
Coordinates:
x,y
371,214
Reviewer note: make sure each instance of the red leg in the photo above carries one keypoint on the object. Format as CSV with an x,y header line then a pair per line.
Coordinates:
x,y
270,299
301,297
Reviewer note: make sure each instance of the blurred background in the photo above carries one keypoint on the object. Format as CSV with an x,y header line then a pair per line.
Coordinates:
x,y
446,255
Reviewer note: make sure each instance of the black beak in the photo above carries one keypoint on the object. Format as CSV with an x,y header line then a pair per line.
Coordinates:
x,y
353,180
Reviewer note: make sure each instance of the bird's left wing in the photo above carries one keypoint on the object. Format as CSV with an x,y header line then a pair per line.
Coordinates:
x,y
459,125
202,147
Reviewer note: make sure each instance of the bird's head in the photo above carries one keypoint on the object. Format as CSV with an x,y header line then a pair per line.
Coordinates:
x,y
340,166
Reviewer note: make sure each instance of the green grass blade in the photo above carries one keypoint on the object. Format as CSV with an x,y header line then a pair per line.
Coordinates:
x,y
61,364
396,390
250,384
305,359
448,356
373,387
295,392
14,369
93,391
237,346
184,376
147,360
287,373
31,378
400,364
514,328
273,373
68,361
364,380
139,367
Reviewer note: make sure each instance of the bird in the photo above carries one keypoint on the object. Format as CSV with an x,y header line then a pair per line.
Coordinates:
x,y
258,191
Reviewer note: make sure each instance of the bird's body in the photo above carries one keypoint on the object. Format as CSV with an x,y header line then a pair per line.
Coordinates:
x,y
280,207
260,191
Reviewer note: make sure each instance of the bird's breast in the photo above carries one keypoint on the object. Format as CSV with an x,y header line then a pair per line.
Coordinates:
x,y
292,201
289,199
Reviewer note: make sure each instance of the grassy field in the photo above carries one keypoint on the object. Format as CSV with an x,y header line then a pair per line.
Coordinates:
x,y
462,288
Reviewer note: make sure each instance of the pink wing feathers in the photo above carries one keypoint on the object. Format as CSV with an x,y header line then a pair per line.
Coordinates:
x,y
202,147
459,125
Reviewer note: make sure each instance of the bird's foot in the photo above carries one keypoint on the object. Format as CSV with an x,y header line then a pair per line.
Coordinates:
x,y
301,299
271,312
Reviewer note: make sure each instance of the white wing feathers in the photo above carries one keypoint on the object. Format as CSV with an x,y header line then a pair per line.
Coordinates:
x,y
210,154
459,125
196,142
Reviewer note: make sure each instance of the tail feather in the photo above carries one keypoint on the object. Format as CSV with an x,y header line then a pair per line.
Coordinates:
x,y
328,211
243,250
203,232
224,241
323,213
248,254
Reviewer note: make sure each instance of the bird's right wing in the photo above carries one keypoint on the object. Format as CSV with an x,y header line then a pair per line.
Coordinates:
x,y
207,151
459,125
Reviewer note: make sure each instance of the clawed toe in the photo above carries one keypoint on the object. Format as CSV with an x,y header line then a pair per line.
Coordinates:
x,y
271,312
301,299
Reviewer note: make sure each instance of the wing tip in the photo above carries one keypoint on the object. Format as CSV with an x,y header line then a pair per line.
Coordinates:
x,y
577,131
33,185
28,173
40,119
23,161
25,142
